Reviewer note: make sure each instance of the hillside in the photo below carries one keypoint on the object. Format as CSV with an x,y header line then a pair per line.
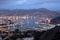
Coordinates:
x,y
20,12
55,20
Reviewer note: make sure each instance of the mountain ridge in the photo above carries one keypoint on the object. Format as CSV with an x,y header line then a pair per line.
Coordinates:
x,y
19,12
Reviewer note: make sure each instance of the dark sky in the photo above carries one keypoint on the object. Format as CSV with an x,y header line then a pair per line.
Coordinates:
x,y
30,4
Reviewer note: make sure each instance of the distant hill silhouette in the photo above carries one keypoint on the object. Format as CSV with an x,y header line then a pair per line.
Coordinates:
x,y
41,11
55,20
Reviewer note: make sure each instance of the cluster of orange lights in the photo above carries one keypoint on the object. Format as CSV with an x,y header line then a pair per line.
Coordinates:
x,y
12,17
24,17
48,21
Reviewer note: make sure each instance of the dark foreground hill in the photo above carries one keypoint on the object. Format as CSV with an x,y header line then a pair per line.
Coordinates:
x,y
52,34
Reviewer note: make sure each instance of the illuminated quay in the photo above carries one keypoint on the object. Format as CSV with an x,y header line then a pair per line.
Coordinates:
x,y
16,17
22,21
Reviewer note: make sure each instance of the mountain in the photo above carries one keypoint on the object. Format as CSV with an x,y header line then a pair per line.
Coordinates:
x,y
35,12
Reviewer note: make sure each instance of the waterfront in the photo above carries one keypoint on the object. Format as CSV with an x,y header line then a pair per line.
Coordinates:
x,y
25,28
26,22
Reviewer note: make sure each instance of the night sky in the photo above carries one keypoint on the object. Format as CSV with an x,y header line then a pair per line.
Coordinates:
x,y
30,4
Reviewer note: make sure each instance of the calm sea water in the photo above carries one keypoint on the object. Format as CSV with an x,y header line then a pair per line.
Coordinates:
x,y
28,24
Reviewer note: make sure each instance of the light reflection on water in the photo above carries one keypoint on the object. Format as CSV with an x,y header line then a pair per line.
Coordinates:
x,y
28,23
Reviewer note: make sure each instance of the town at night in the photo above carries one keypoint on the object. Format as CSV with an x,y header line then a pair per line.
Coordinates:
x,y
29,19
